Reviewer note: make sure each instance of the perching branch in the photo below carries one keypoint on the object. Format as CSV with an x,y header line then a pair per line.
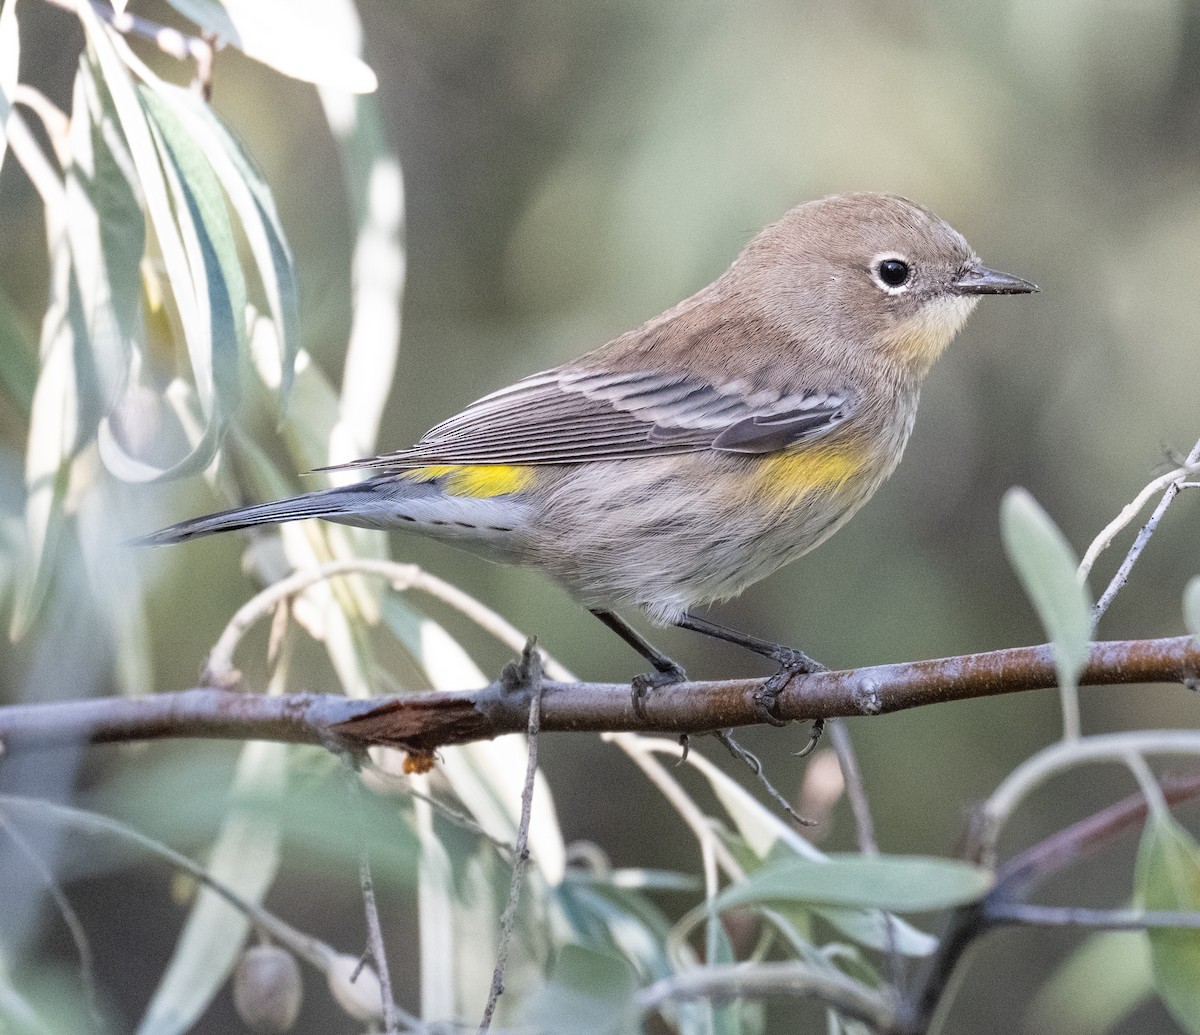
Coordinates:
x,y
426,721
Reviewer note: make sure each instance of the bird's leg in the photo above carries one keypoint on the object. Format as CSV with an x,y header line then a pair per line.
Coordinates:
x,y
791,661
665,671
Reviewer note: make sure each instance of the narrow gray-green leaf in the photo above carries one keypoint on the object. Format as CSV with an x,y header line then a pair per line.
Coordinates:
x,y
768,836
1191,607
1047,566
611,918
216,284
718,952
1167,878
254,206
200,191
588,993
904,884
1100,984
435,920
194,317
67,398
286,35
107,232
129,468
874,929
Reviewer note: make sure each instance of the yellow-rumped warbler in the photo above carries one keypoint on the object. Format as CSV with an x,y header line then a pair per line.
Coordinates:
x,y
690,457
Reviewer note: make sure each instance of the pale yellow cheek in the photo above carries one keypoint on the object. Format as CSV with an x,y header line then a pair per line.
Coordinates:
x,y
921,338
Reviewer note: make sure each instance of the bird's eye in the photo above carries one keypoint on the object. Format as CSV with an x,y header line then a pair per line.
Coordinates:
x,y
893,273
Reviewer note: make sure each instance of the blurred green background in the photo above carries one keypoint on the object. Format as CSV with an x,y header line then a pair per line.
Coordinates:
x,y
573,168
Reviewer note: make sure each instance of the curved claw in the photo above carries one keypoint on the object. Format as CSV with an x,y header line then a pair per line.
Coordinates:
x,y
814,738
766,696
646,682
792,662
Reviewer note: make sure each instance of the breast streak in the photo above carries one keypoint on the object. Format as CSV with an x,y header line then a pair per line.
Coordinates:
x,y
668,533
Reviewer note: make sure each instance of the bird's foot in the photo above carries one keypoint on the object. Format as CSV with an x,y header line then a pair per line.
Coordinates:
x,y
666,675
792,662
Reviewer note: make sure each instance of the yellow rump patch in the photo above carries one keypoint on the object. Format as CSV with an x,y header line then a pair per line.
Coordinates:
x,y
479,481
785,477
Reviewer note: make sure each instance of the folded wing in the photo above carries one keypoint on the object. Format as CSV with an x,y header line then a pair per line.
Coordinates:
x,y
576,415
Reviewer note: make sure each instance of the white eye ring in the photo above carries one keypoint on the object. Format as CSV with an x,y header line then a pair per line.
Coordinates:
x,y
892,272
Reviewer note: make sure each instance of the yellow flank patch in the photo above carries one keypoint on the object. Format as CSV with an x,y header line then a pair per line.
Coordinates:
x,y
479,481
784,478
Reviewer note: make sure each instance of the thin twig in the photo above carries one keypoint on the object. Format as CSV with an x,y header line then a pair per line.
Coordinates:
x,y
1147,782
521,858
642,751
864,829
87,970
1036,770
754,764
864,826
1018,877
375,944
1109,532
927,1001
740,981
1100,919
220,671
393,782
1143,537
314,951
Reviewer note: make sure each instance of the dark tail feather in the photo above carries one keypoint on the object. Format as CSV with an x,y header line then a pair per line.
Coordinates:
x,y
323,503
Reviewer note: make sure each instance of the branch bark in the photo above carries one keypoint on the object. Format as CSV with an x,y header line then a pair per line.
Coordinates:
x,y
426,721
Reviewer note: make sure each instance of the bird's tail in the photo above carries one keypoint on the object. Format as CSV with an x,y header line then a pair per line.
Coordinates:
x,y
420,503
322,503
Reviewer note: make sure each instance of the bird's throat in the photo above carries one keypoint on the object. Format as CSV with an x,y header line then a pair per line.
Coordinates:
x,y
919,339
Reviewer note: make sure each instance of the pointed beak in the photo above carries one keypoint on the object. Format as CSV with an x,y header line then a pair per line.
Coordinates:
x,y
979,280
